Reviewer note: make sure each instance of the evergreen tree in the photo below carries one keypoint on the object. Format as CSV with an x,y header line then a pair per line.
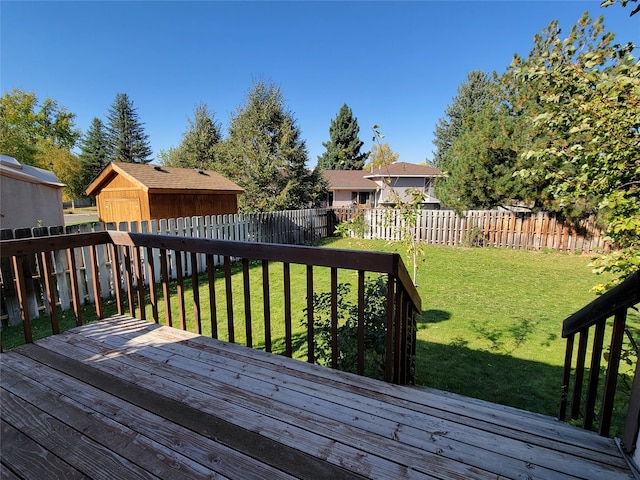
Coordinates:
x,y
94,152
127,140
265,154
199,145
472,96
343,148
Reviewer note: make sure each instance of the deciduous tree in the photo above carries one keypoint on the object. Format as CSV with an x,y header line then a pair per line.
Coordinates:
x,y
28,128
589,88
127,140
343,148
381,155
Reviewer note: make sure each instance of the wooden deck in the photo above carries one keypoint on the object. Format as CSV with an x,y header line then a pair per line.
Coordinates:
x,y
124,398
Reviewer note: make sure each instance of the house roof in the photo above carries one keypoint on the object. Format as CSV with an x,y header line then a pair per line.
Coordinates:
x,y
11,168
404,169
156,179
348,180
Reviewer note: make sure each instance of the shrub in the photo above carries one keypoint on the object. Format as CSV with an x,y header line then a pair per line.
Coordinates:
x,y
375,291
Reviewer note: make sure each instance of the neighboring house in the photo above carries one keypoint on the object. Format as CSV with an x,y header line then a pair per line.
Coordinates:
x,y
29,196
382,186
349,187
127,192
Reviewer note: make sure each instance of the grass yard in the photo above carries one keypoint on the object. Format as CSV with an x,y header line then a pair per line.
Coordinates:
x,y
490,327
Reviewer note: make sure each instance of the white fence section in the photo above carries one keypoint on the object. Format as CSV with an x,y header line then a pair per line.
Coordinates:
x,y
294,227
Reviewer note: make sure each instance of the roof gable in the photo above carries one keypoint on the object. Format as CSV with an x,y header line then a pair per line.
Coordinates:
x,y
155,178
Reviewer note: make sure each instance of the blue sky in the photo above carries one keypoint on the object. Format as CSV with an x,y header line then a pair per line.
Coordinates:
x,y
396,64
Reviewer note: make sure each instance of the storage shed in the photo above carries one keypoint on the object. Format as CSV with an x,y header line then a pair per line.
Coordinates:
x,y
127,192
29,196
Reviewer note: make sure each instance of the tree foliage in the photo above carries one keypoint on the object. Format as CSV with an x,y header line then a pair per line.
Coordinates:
x,y
473,94
29,129
381,155
343,148
127,140
94,153
265,154
199,145
589,90
624,3
481,161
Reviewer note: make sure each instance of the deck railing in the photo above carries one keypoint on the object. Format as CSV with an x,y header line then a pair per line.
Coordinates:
x,y
134,267
613,304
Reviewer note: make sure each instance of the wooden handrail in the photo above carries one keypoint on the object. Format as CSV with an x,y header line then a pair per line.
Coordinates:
x,y
137,260
621,296
614,303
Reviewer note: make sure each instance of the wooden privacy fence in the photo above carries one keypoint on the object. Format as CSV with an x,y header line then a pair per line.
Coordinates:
x,y
518,230
135,266
295,227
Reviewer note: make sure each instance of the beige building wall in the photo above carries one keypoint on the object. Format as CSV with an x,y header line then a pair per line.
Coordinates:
x,y
25,204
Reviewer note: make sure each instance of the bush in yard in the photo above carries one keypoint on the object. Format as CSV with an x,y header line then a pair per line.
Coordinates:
x,y
375,291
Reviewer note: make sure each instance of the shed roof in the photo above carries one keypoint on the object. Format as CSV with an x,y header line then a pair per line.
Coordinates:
x,y
348,180
156,179
404,169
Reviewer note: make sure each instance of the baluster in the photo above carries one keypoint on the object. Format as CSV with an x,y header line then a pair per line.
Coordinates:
x,y
153,296
212,296
196,292
287,308
247,302
266,300
310,339
180,281
227,280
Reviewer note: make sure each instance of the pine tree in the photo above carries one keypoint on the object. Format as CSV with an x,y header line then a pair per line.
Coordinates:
x,y
94,152
343,148
199,145
472,96
265,154
127,140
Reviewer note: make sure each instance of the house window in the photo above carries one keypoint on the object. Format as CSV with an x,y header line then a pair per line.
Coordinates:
x,y
360,198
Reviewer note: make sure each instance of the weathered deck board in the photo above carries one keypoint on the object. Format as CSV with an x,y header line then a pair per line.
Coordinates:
x,y
155,402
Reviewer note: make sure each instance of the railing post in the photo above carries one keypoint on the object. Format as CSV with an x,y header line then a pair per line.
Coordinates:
x,y
632,423
611,378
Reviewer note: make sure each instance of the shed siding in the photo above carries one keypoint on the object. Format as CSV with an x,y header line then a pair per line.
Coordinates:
x,y
189,205
120,205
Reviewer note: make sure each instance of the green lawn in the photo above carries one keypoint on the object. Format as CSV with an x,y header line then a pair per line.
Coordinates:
x,y
490,327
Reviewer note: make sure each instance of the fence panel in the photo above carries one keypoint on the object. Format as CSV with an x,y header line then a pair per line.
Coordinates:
x,y
517,230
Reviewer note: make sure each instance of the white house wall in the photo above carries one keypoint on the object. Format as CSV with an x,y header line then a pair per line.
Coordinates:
x,y
399,185
25,204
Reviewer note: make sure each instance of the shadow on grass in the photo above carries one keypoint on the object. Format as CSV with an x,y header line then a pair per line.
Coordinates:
x,y
434,316
500,378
